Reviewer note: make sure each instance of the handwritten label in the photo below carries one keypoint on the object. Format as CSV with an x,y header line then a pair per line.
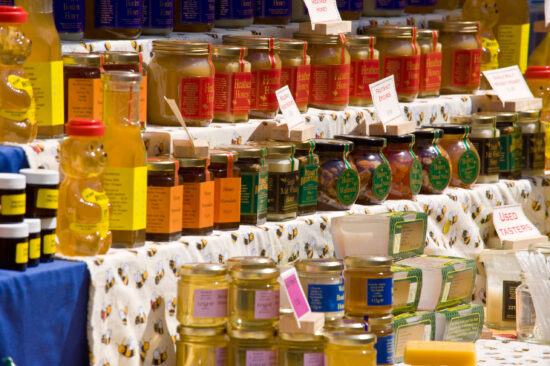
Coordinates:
x,y
384,98
295,294
512,224
288,106
322,11
508,83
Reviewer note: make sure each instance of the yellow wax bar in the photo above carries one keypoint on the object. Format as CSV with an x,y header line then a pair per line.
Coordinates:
x,y
434,353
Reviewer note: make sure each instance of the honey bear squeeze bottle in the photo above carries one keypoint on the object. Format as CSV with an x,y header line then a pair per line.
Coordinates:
x,y
84,209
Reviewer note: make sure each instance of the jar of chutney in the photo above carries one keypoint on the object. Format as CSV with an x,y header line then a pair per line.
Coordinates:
x,y
12,198
14,246
532,133
42,192
463,154
436,163
227,189
511,145
309,173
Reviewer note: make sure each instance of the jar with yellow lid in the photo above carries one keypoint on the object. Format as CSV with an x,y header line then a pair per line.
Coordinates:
x,y
201,346
183,71
330,71
297,349
378,8
194,15
296,70
202,295
400,57
436,163
364,70
234,13
368,286
511,145
309,173
253,347
253,293
272,11
430,62
382,328
532,132
461,60
227,189
232,84
350,348
463,154
263,55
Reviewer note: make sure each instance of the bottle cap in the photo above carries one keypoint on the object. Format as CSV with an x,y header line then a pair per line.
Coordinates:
x,y
12,14
34,225
85,127
12,181
49,223
14,231
41,176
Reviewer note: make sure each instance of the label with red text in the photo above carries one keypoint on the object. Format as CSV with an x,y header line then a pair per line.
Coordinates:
x,y
384,98
197,98
329,84
232,91
363,73
430,71
466,67
508,83
406,70
512,224
264,84
321,11
297,79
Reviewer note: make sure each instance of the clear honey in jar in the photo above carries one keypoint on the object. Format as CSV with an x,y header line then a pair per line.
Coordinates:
x,y
193,15
296,70
113,19
350,349
365,69
272,11
201,346
430,62
234,13
253,347
297,349
382,328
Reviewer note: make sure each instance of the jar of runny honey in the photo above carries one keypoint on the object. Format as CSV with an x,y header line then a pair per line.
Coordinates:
x,y
350,348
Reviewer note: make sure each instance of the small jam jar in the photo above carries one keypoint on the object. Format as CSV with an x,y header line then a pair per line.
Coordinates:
x,y
14,246
34,241
400,57
350,348
12,198
463,154
373,168
193,15
365,69
382,328
232,84
511,145
202,295
532,132
201,346
406,170
227,189
330,71
301,349
430,62
461,48
368,286
436,163
309,177
323,285
253,347
296,70
42,192
263,55
49,244
338,178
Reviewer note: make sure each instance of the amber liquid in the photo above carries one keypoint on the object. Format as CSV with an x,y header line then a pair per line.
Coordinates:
x,y
106,33
180,26
242,300
186,300
355,293
338,355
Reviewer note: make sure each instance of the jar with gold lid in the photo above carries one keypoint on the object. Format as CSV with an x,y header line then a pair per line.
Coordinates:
x,y
297,349
463,154
193,15
350,324
201,346
253,347
309,173
532,132
330,70
364,70
382,328
111,19
227,189
296,70
232,84
350,348
436,164
183,71
430,62
263,55
202,295
461,56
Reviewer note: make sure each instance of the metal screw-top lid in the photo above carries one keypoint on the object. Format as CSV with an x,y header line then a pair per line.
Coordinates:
x,y
252,334
366,141
252,268
318,39
206,269
361,40
350,339
370,261
380,320
455,26
391,31
161,165
121,76
121,57
82,59
529,116
319,265
179,47
201,332
252,41
346,325
330,145
229,51
192,162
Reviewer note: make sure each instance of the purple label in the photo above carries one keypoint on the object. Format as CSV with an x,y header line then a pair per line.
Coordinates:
x,y
237,9
210,303
266,304
380,291
118,13
390,4
261,358
350,5
221,356
196,11
314,359
272,8
158,14
69,15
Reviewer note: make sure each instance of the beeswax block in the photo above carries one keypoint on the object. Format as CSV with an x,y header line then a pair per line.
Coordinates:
x,y
432,353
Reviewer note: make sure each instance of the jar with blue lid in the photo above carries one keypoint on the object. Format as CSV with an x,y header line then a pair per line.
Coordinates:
x,y
234,13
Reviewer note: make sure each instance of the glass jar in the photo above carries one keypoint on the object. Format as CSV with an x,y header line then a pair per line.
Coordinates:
x,y
198,197
373,168
253,293
234,13
349,348
526,316
420,6
12,198
532,133
436,164
461,48
406,170
263,55
350,9
382,328
201,346
232,84
400,57
202,295
338,178
83,86
69,19
194,15
227,189
350,324
364,70
34,241
183,71
42,192
463,154
430,62
14,251
272,11
511,145
379,8
297,349
113,19
253,347
538,80
158,17
330,71
368,286
309,177
323,286
48,246
296,70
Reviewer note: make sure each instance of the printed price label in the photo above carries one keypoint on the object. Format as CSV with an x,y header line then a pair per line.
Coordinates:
x,y
508,83
295,293
512,224
288,106
322,11
384,98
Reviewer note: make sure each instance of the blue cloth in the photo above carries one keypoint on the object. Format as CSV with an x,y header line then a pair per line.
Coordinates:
x,y
43,314
12,159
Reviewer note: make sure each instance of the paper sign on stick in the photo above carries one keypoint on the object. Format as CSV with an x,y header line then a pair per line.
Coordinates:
x,y
512,224
508,83
288,107
295,294
384,98
322,11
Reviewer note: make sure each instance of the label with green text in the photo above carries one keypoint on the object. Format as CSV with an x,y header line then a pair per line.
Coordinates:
x,y
440,173
381,181
307,194
416,177
347,187
468,167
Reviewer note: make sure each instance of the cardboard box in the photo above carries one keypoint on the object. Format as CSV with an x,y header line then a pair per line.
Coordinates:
x,y
407,286
463,323
418,326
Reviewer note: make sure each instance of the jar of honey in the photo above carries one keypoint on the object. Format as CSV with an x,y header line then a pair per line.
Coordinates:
x,y
382,328
461,50
14,251
309,177
48,247
350,9
463,154
436,163
296,70
301,349
511,145
365,69
234,14
383,8
183,71
486,139
253,347
368,286
42,192
272,11
263,55
350,348
430,62
194,15
350,324
420,6
12,197
113,19
538,80
201,346
532,132
69,19
400,57
158,17
330,71
227,189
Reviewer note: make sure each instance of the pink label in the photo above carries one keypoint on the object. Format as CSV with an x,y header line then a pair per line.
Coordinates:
x,y
221,356
296,296
314,359
210,303
261,358
266,304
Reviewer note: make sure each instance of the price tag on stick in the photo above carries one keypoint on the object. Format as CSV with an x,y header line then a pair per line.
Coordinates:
x,y
288,107
508,83
384,98
295,293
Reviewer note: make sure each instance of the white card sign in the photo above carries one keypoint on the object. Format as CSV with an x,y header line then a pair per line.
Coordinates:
x,y
322,11
288,107
384,98
508,83
512,224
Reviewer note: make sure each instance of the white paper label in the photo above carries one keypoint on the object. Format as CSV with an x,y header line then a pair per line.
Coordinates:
x,y
512,224
288,107
323,11
508,83
412,292
384,98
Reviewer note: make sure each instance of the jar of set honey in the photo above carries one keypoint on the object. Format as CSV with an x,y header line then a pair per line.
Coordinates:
x,y
296,70
430,62
365,69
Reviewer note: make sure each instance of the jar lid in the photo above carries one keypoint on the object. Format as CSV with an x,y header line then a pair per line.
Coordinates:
x,y
192,162
305,146
161,165
460,120
82,59
201,332
121,76
301,337
483,120
34,225
319,265
245,151
12,181
334,39
14,231
537,72
403,139
252,334
455,26
380,320
209,269
13,14
49,223
449,129
346,325
350,339
179,47
506,117
529,116
223,157
361,40
426,33
250,262
368,261
41,176
428,134
369,141
229,51
390,31
252,269
252,41
333,145
286,149
289,44
121,57
85,127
